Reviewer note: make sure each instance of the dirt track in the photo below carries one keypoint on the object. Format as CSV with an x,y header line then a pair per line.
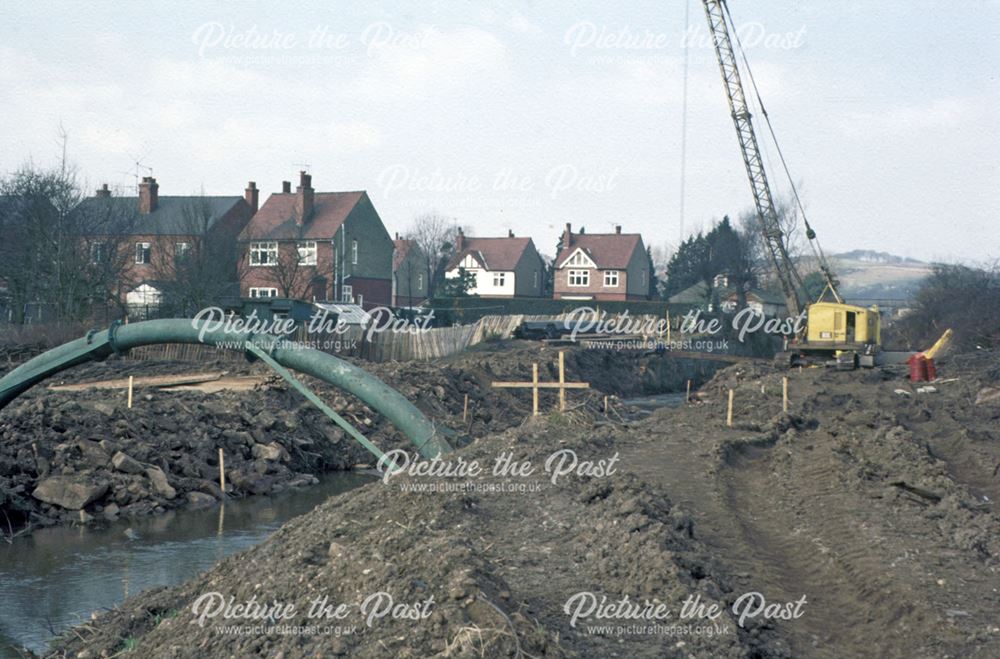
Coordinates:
x,y
876,506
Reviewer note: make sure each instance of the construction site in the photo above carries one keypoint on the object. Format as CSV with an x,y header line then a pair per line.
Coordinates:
x,y
745,455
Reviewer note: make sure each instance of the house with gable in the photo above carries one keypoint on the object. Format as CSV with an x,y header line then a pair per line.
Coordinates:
x,y
317,246
409,273
502,267
601,266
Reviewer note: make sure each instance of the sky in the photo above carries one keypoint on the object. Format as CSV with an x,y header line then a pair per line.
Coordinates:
x,y
524,116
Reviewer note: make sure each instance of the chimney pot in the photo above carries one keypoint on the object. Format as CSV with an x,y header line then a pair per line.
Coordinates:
x,y
618,228
459,240
286,187
103,191
510,233
148,195
582,230
568,236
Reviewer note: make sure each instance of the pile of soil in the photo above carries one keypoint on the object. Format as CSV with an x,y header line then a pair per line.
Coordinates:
x,y
500,567
83,457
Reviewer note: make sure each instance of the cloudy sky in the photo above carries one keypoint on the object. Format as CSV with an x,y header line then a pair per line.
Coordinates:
x,y
527,115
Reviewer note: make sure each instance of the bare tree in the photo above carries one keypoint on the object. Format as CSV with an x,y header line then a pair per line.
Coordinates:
x,y
435,235
56,253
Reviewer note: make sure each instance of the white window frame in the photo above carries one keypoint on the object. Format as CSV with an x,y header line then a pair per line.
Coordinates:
x,y
307,252
264,253
182,249
578,278
263,291
143,253
611,278
354,252
96,252
420,280
347,293
499,279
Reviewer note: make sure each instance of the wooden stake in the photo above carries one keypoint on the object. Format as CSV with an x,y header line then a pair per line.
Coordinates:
x,y
562,381
784,394
130,382
465,408
534,388
729,412
687,397
222,471
605,406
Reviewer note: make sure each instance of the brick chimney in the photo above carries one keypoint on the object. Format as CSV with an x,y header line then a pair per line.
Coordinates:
x,y
618,228
303,198
459,240
148,195
103,191
510,233
567,236
286,187
252,195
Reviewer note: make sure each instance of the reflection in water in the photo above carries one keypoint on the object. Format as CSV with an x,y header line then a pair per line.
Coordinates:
x,y
58,576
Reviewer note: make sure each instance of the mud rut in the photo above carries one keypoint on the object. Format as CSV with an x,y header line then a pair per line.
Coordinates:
x,y
786,535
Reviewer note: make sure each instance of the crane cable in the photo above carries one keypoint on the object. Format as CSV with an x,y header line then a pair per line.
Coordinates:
x,y
810,234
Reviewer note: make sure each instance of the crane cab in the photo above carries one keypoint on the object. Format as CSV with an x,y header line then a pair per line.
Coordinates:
x,y
846,329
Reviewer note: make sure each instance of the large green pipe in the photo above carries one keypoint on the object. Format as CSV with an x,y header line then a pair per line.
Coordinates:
x,y
120,338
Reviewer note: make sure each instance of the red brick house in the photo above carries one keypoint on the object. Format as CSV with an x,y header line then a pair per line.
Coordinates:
x,y
409,273
159,232
601,266
503,267
319,246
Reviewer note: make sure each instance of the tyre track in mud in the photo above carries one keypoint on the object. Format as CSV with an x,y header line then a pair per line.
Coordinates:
x,y
788,528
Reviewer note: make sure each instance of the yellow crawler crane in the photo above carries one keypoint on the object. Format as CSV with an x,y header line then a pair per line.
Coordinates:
x,y
849,334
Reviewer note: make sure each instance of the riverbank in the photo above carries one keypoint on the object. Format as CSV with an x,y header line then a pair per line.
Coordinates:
x,y
865,515
84,457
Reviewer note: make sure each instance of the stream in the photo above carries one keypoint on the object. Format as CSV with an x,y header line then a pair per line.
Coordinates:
x,y
56,577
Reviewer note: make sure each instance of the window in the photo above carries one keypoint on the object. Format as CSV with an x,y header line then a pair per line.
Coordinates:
x,y
263,292
611,278
263,253
578,259
420,281
307,252
498,279
346,293
534,279
579,278
142,253
354,252
181,251
642,279
96,252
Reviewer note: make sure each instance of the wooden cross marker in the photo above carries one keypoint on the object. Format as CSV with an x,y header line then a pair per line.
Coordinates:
x,y
535,385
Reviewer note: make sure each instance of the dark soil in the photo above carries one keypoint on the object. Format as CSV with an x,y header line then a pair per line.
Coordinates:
x,y
272,438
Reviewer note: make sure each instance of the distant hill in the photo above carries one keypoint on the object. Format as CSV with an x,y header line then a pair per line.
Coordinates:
x,y
867,276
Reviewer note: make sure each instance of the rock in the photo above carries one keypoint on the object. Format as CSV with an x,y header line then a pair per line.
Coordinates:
x,y
111,512
200,499
69,492
160,483
93,454
126,464
273,452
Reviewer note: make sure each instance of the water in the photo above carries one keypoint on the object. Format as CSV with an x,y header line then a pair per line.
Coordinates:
x,y
56,577
651,403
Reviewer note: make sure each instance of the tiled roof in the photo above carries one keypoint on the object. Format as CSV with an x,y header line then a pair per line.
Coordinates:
x,y
174,216
607,250
275,220
497,253
403,247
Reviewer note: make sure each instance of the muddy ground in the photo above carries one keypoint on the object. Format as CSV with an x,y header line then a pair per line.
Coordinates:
x,y
83,457
872,501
